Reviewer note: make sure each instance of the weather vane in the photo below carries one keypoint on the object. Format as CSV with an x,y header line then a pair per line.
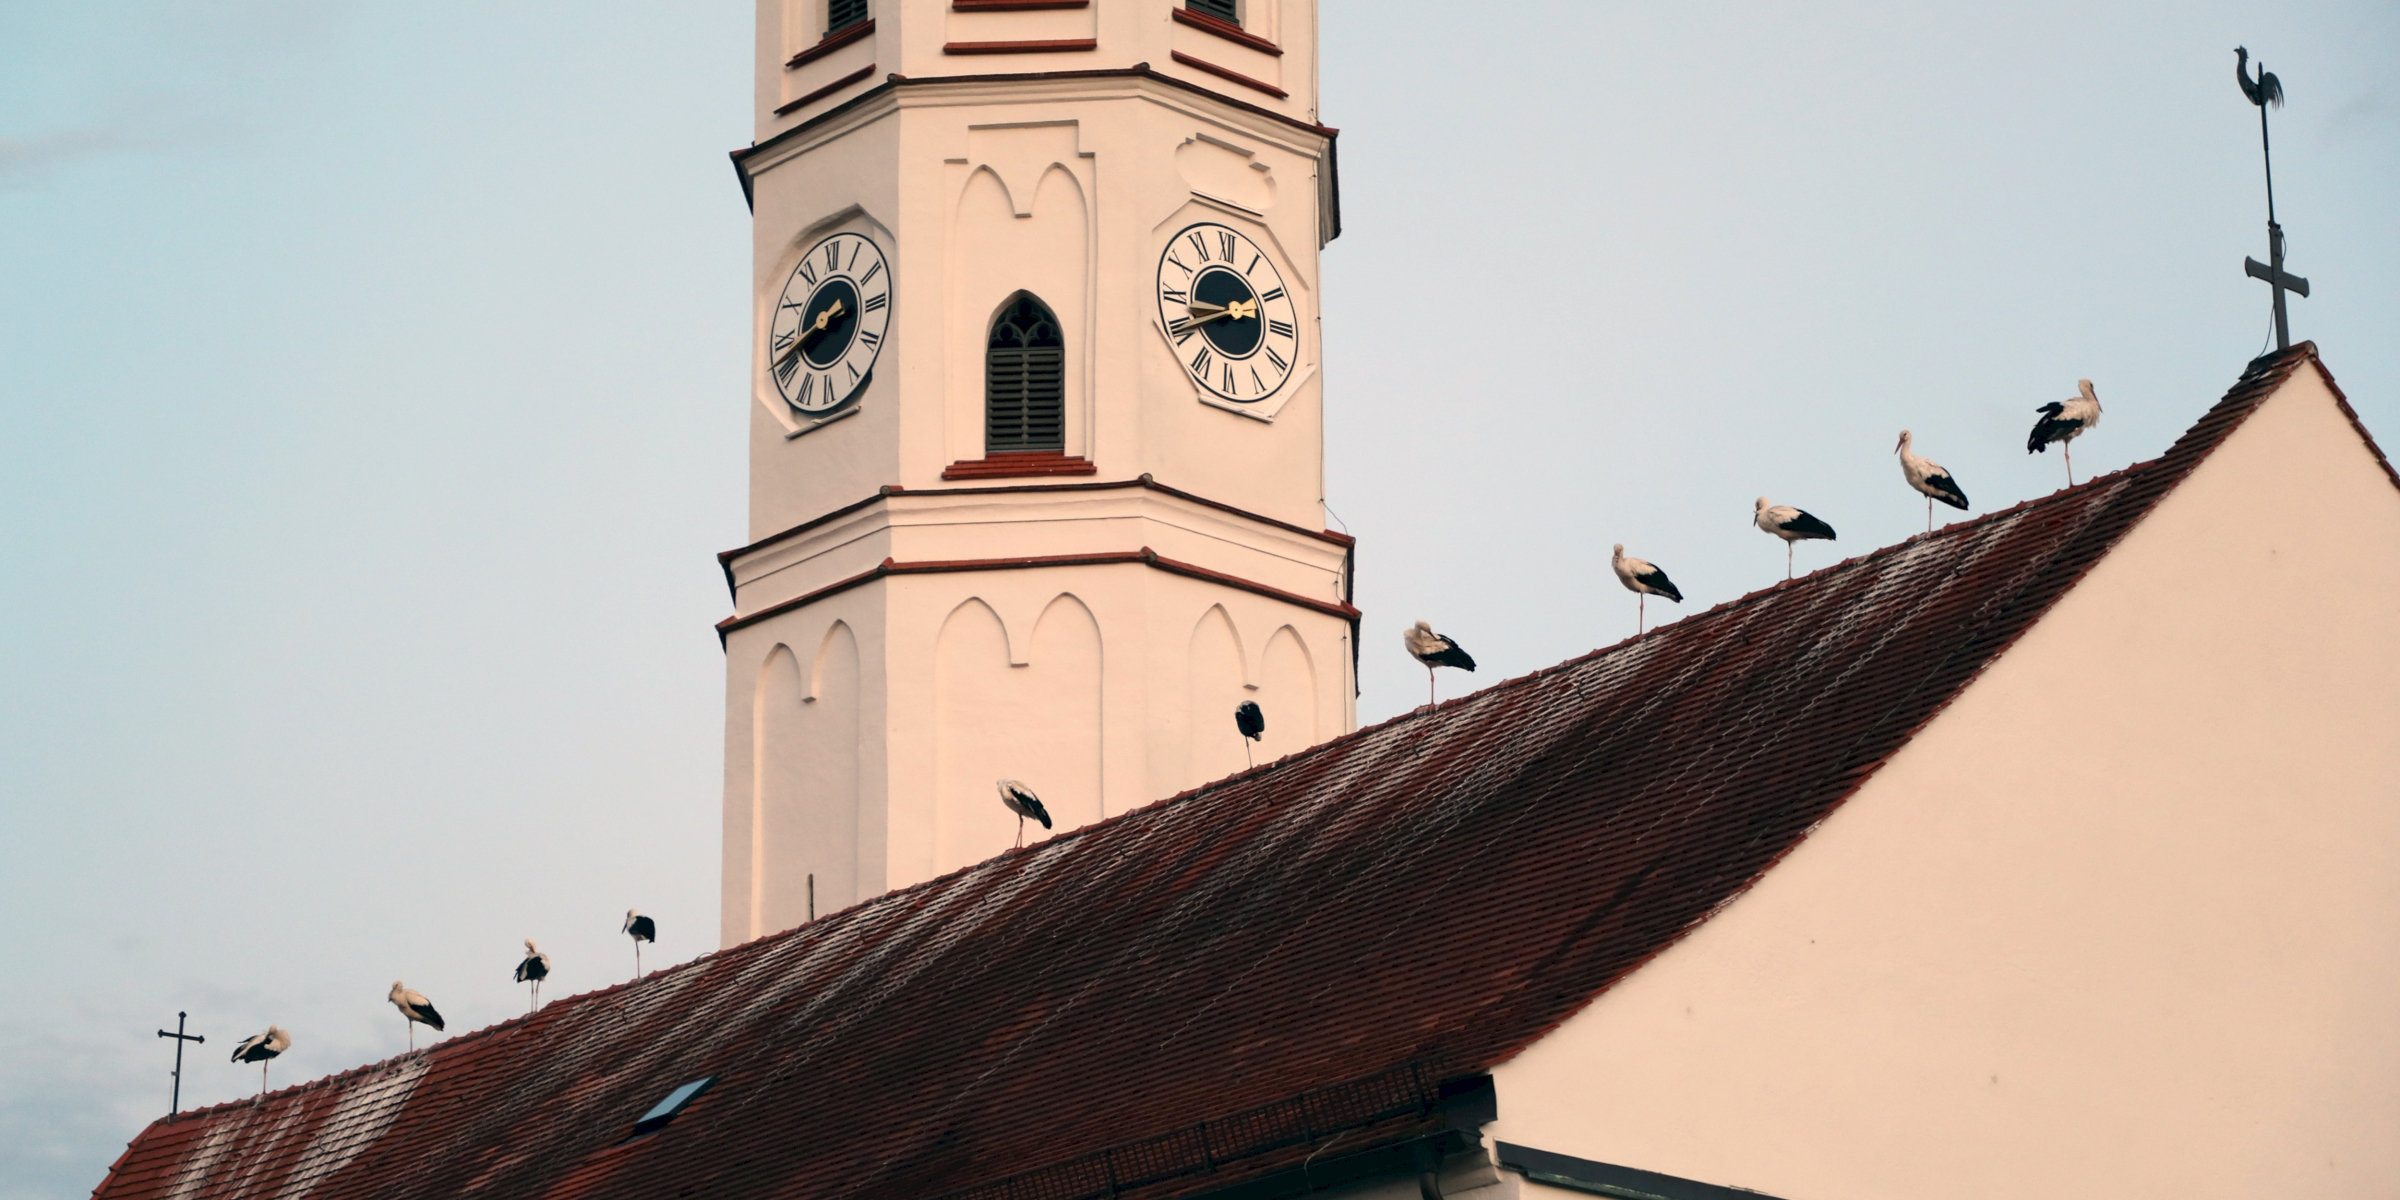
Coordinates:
x,y
2264,91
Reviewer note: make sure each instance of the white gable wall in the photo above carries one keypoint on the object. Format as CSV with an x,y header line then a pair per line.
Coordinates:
x,y
2124,920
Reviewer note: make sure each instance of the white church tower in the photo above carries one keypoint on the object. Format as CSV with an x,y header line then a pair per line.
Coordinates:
x,y
1036,466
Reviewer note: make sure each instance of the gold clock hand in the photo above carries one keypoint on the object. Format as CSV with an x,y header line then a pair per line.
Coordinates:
x,y
817,330
1241,310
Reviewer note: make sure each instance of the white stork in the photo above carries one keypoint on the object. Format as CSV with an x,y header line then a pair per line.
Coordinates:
x,y
1021,801
1929,477
534,970
1251,723
416,1008
1434,650
1792,525
2062,422
259,1048
1644,581
640,929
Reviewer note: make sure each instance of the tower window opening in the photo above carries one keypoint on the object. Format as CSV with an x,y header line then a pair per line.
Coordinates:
x,y
1222,10
842,14
1024,380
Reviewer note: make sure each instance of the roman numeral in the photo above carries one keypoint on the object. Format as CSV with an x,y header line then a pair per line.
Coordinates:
x,y
1175,297
1273,296
808,271
833,257
1277,359
853,371
785,339
1255,381
876,301
854,256
1225,243
827,379
870,337
807,385
1179,264
1199,245
1281,328
1229,384
1254,261
1200,362
872,268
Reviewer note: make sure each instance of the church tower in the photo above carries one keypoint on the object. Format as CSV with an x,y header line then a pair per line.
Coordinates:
x,y
1036,449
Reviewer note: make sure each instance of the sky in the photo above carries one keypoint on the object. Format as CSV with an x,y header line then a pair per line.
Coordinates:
x,y
372,386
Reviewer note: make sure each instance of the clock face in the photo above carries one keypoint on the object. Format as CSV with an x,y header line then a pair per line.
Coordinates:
x,y
829,324
1225,308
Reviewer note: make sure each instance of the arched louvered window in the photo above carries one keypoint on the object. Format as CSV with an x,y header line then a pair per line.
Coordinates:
x,y
1222,10
1024,380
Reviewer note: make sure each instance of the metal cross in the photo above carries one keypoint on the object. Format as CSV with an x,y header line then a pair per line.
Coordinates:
x,y
175,1099
2272,270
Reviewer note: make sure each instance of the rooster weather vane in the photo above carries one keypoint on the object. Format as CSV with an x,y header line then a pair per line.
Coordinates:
x,y
2264,91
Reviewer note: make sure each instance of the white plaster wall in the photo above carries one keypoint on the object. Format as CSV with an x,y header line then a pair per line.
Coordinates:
x,y
975,187
2125,920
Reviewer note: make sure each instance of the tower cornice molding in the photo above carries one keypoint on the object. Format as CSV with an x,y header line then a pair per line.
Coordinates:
x,y
727,558
899,91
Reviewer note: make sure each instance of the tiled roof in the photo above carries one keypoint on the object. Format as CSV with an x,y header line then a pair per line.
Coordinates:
x,y
1311,946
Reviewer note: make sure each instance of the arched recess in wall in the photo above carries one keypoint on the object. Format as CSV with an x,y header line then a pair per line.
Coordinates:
x,y
806,776
1214,688
997,253
1287,696
1061,713
976,726
775,762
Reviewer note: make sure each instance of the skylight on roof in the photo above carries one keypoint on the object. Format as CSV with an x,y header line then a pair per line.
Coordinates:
x,y
666,1110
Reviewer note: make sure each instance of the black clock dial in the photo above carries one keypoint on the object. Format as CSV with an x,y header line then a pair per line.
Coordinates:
x,y
1235,336
1229,318
828,325
828,322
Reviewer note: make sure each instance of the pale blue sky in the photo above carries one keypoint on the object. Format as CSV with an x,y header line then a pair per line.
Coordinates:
x,y
372,403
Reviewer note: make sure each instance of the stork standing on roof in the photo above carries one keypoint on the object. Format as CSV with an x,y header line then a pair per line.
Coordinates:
x,y
1644,581
1021,801
1929,477
1434,650
260,1048
534,970
2062,422
416,1009
1792,525
1252,724
640,929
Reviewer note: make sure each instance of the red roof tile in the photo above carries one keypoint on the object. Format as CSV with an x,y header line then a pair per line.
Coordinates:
x,y
1312,945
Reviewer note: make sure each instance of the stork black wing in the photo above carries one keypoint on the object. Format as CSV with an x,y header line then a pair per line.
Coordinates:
x,y
426,1014
1451,656
1034,809
2051,428
1948,487
532,969
1657,581
1249,720
1808,526
644,930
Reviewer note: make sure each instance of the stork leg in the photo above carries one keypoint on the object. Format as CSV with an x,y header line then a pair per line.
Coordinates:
x,y
262,1077
1929,514
1787,562
1641,613
1429,687
1247,758
1020,831
637,958
2068,447
405,1019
